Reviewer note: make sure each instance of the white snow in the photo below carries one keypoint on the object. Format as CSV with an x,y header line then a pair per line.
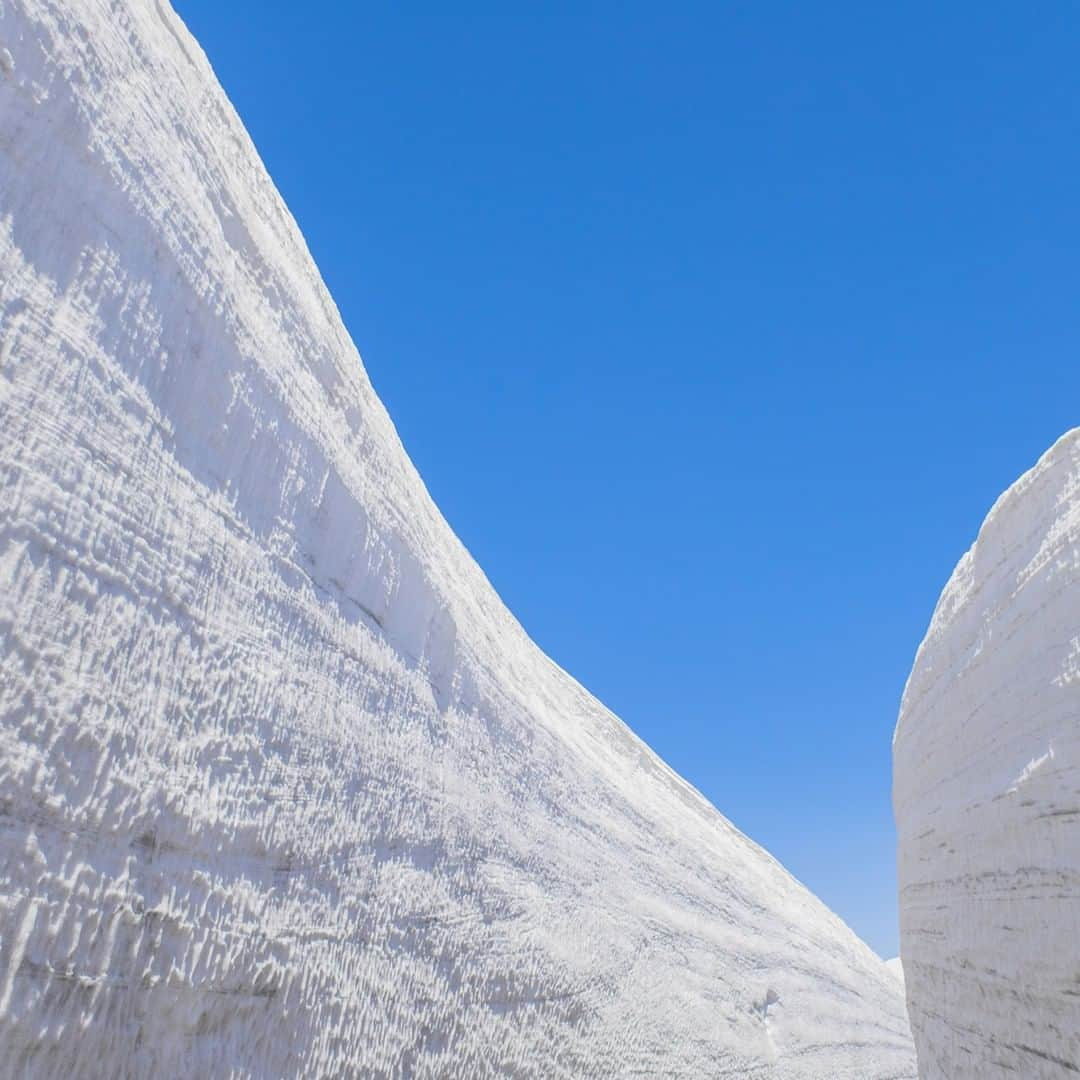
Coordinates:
x,y
987,795
284,788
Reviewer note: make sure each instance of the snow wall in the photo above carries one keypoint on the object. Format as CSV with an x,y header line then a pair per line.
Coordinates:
x,y
284,788
987,796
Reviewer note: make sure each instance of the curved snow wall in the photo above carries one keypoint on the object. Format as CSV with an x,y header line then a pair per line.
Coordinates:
x,y
987,796
284,788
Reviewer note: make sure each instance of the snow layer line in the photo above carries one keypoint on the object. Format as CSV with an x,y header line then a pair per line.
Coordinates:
x,y
987,796
284,788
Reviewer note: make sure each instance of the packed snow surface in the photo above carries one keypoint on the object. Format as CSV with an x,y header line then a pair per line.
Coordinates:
x,y
987,796
284,788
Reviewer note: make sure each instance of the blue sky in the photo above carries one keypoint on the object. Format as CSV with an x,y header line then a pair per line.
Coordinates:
x,y
714,334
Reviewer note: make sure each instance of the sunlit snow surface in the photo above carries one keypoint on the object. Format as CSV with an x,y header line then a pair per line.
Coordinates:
x,y
284,788
987,796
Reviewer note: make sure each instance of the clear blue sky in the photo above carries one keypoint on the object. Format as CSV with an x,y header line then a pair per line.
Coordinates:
x,y
714,336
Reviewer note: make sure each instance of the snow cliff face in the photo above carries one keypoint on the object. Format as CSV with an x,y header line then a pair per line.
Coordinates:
x,y
987,796
284,788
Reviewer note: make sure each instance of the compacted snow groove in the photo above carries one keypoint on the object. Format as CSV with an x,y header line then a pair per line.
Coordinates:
x,y
284,788
987,796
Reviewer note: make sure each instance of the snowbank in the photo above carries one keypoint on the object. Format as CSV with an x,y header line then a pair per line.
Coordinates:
x,y
284,788
987,795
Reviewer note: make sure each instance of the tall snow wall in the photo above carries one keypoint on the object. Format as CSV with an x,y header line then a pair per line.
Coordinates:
x,y
987,796
284,788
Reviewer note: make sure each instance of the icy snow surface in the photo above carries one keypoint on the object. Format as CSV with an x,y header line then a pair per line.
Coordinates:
x,y
987,796
284,788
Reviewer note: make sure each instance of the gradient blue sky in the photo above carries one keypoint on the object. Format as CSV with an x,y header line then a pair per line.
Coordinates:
x,y
714,334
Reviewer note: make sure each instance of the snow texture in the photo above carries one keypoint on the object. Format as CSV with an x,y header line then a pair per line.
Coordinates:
x,y
284,788
987,796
